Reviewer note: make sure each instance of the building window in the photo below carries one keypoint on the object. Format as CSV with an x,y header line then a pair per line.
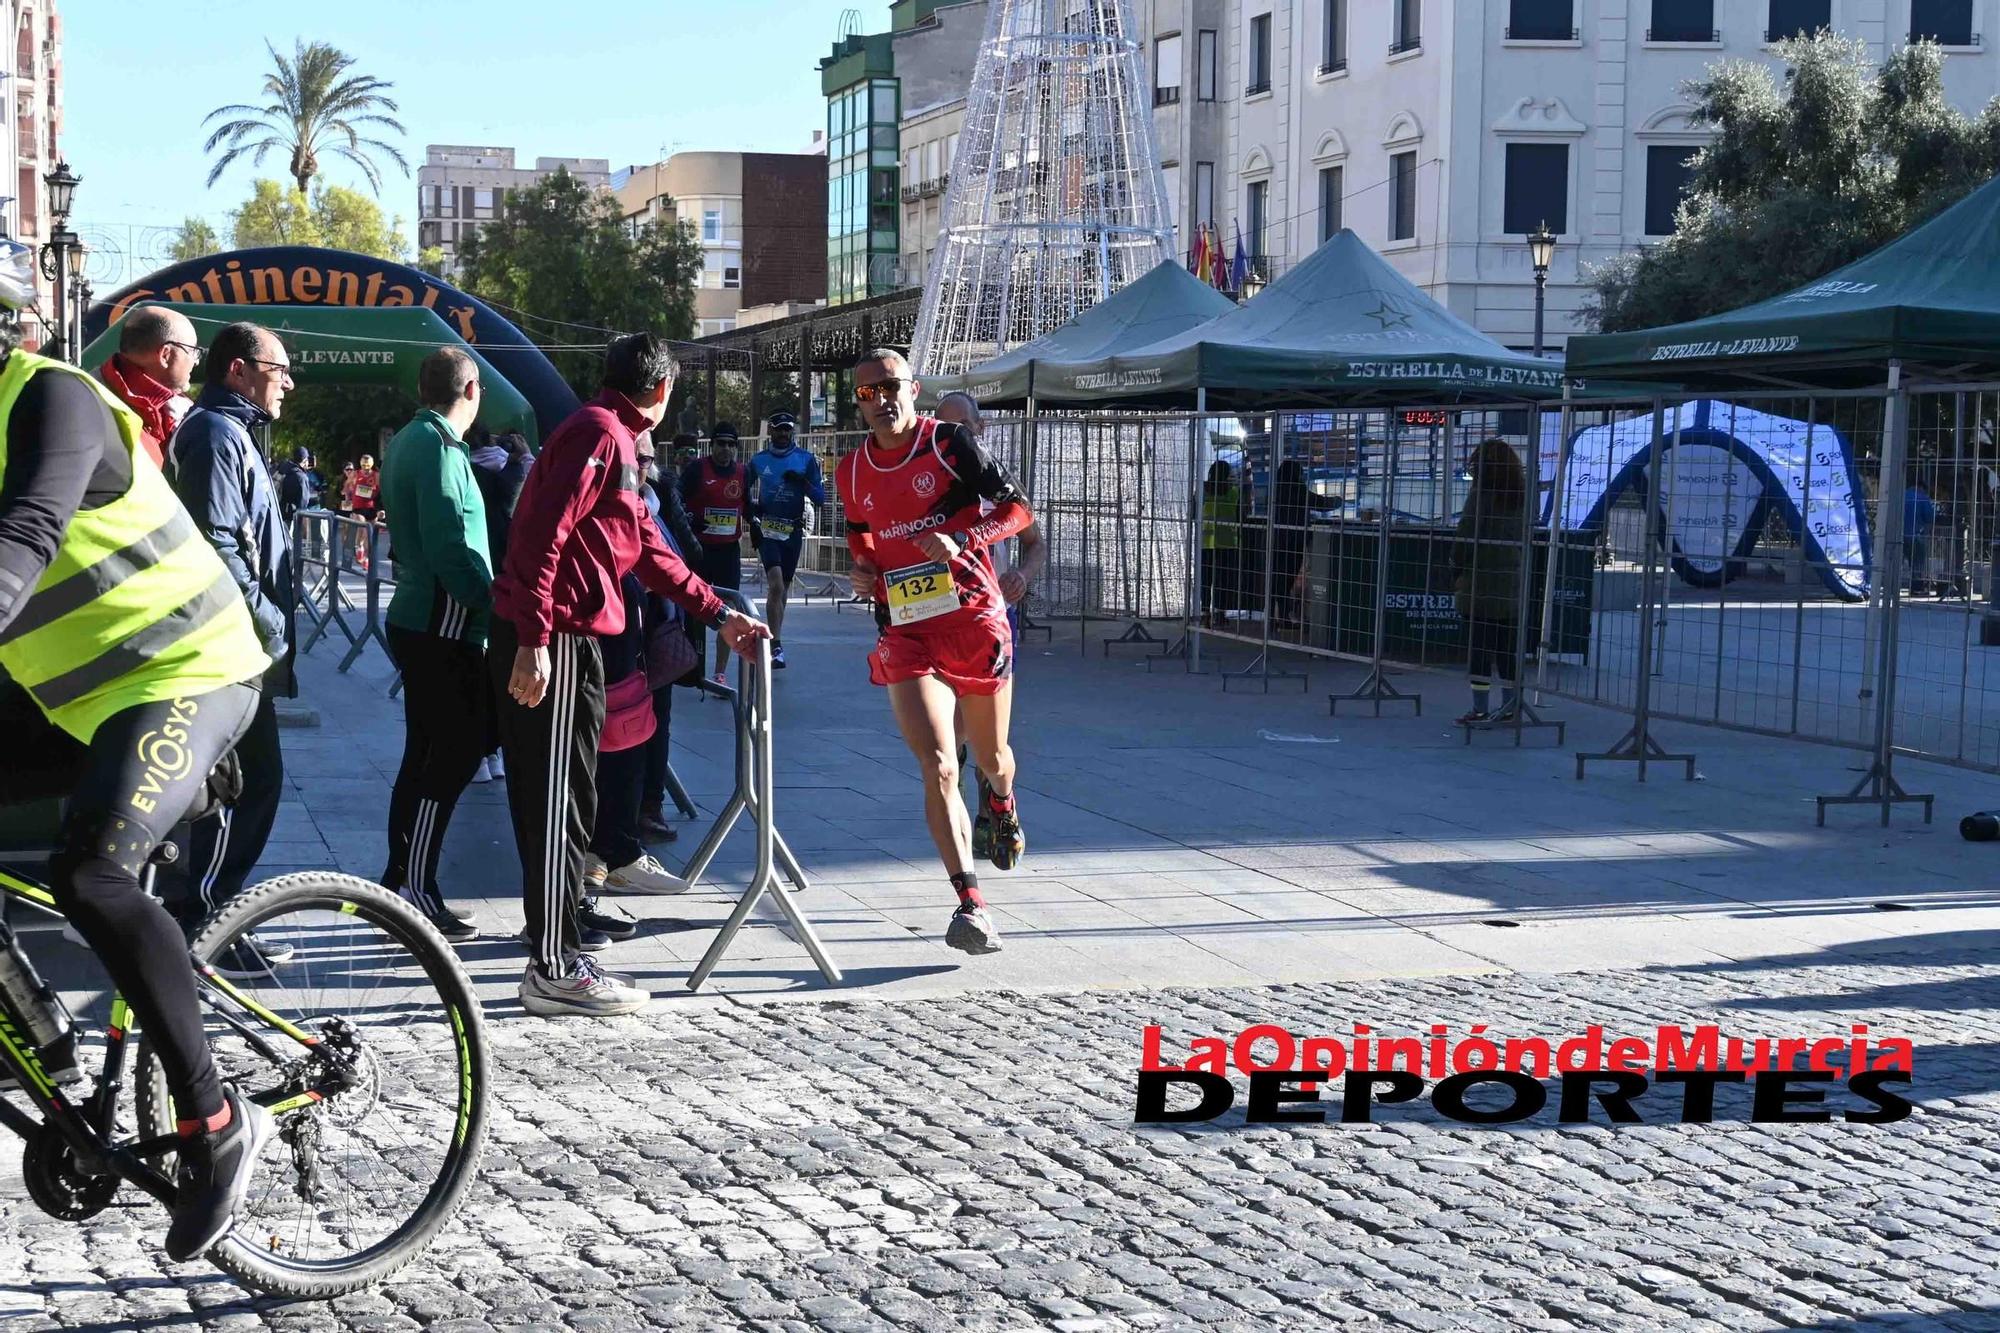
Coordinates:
x,y
1537,188
732,277
1798,18
1204,65
1409,26
1170,178
1683,21
482,203
1330,180
1333,42
1256,201
447,202
1167,69
933,159
1669,173
1260,55
911,160
1946,22
950,153
1204,192
1541,20
1402,196
711,224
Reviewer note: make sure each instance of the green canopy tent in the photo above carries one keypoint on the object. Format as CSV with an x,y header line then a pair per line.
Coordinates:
x,y
1930,299
1342,329
1167,301
355,345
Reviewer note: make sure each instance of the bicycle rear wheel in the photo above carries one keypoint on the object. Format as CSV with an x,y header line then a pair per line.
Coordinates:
x,y
381,1119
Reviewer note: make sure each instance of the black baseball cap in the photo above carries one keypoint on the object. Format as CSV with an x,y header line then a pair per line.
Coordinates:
x,y
722,430
782,421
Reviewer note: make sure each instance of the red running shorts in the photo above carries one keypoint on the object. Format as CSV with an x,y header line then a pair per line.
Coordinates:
x,y
977,658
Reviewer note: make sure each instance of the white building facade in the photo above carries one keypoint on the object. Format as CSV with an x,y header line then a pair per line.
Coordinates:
x,y
462,187
1443,131
35,100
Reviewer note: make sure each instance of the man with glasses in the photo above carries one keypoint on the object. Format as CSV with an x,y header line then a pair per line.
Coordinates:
x,y
151,369
913,495
222,479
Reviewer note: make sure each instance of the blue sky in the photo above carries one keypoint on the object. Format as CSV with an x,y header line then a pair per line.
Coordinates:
x,y
623,79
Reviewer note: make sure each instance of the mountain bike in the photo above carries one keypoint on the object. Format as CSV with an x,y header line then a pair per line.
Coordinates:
x,y
366,1046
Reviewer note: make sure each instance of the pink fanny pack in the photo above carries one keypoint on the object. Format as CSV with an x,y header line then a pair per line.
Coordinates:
x,y
628,714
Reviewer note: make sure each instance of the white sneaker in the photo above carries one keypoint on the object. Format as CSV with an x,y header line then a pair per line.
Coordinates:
x,y
494,766
484,773
644,875
594,873
586,992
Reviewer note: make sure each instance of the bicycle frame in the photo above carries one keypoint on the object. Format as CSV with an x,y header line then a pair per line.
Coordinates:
x,y
89,1126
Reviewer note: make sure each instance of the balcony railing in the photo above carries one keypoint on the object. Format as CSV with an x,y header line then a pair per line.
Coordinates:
x,y
1166,96
1948,38
1542,33
1262,86
1682,35
1333,66
1413,42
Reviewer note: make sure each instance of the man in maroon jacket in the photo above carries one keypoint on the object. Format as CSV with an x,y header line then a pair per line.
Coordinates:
x,y
579,527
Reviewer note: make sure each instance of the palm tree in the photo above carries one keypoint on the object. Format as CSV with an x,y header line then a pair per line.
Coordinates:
x,y
313,109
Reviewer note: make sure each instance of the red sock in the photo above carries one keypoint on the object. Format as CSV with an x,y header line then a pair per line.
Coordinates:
x,y
967,888
220,1120
1001,804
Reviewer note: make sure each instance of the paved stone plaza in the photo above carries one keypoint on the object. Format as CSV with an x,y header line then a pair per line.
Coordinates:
x,y
947,1143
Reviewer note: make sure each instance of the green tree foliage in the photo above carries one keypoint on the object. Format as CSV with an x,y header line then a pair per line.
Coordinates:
x,y
563,263
315,106
335,216
1809,170
194,239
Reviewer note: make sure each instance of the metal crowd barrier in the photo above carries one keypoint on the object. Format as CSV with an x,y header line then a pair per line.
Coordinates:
x,y
755,794
325,547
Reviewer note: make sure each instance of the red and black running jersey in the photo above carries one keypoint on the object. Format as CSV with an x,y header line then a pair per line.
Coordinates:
x,y
714,501
892,497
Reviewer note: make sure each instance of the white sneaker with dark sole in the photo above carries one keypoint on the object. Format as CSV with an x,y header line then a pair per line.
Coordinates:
x,y
644,876
585,993
973,931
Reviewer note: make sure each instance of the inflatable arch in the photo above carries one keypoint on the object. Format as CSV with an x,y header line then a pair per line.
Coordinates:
x,y
299,275
1731,469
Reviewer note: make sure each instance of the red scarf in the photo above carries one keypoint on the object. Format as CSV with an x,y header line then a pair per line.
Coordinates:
x,y
145,396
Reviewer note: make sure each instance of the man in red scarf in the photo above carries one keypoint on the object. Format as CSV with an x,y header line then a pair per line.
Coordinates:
x,y
151,370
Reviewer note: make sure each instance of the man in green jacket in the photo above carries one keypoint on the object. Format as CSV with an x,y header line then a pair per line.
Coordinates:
x,y
437,626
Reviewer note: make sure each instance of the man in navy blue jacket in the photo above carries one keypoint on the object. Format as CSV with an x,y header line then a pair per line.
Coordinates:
x,y
221,477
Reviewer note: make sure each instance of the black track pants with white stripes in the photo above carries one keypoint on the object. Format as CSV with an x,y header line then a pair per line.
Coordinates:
x,y
223,849
444,737
551,752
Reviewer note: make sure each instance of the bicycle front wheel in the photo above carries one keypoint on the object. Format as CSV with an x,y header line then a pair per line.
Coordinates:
x,y
349,1017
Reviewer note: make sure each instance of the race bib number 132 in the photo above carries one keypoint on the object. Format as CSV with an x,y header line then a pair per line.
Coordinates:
x,y
920,592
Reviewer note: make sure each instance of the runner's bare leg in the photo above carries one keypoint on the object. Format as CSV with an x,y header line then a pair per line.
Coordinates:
x,y
987,717
923,709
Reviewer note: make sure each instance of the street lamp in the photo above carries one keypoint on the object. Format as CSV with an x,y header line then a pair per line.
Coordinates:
x,y
1541,249
57,253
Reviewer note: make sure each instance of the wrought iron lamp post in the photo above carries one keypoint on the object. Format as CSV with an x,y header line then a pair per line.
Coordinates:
x,y
61,248
1541,249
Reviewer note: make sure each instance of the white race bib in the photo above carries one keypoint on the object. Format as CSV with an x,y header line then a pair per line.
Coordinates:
x,y
720,522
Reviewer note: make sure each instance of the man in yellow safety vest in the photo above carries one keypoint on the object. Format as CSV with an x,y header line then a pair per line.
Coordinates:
x,y
126,632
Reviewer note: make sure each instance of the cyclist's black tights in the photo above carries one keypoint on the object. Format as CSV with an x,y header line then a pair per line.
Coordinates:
x,y
146,768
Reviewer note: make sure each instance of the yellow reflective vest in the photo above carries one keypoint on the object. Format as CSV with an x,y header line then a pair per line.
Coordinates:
x,y
136,607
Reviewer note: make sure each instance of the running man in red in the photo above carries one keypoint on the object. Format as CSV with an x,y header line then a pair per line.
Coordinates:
x,y
912,498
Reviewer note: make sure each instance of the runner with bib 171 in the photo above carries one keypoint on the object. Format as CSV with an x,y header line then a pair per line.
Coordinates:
x,y
912,495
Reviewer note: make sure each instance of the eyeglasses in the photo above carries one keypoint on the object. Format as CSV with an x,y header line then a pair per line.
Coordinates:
x,y
284,368
881,390
192,349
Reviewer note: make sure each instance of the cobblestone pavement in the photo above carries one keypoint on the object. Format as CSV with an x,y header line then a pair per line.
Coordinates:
x,y
970,1163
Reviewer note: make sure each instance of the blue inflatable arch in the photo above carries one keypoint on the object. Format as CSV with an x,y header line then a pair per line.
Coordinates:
x,y
301,275
1776,451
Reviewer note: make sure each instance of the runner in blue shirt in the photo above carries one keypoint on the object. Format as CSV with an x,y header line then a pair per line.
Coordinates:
x,y
782,478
